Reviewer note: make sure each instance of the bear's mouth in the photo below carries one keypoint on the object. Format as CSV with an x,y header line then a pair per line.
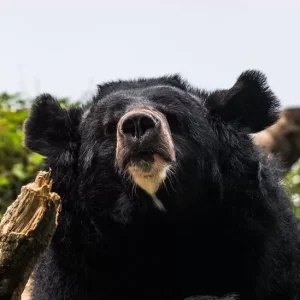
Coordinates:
x,y
143,161
148,171
146,162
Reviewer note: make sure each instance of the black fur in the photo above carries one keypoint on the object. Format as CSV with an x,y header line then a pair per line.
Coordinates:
x,y
229,297
228,227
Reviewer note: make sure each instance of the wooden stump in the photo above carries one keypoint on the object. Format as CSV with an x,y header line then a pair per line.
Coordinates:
x,y
26,229
283,138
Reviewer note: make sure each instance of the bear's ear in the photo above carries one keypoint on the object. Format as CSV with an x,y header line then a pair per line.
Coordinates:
x,y
249,104
50,129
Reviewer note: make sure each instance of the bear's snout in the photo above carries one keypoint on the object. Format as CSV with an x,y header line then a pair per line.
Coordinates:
x,y
144,144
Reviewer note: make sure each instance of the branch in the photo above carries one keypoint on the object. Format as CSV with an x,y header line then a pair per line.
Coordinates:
x,y
283,138
26,229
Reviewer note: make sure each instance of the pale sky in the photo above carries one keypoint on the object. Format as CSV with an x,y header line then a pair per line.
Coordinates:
x,y
66,47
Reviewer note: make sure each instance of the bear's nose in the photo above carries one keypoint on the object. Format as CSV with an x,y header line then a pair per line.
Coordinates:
x,y
138,124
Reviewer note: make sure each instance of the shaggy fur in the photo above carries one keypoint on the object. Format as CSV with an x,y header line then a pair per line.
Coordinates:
x,y
228,230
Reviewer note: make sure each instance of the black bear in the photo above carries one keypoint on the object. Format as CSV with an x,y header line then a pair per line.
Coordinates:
x,y
164,194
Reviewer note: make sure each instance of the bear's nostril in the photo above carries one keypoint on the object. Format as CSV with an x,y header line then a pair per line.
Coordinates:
x,y
128,127
145,124
136,125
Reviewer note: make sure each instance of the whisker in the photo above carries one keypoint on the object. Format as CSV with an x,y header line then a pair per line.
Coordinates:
x,y
171,174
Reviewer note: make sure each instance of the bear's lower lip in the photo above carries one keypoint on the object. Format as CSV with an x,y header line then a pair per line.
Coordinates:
x,y
143,161
144,156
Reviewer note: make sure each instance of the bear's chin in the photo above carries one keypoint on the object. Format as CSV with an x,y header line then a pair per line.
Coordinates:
x,y
149,174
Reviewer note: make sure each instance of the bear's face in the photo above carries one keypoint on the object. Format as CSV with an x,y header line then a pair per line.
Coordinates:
x,y
149,133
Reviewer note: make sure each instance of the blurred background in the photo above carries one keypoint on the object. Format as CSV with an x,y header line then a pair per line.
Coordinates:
x,y
66,48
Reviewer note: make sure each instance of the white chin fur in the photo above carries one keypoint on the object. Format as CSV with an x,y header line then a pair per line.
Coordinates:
x,y
151,183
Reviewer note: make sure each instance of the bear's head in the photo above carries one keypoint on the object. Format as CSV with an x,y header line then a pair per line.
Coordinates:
x,y
151,144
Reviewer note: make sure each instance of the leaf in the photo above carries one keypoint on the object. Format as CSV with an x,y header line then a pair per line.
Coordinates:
x,y
18,171
3,181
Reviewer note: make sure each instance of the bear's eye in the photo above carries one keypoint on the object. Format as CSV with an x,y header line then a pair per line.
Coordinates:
x,y
110,129
173,121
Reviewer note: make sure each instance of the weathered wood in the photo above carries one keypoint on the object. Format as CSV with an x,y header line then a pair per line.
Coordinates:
x,y
25,231
283,138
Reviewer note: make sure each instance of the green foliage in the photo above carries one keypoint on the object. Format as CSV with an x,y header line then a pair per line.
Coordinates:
x,y
18,165
292,181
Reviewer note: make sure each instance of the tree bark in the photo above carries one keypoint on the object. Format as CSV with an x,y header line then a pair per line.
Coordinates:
x,y
26,229
283,138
